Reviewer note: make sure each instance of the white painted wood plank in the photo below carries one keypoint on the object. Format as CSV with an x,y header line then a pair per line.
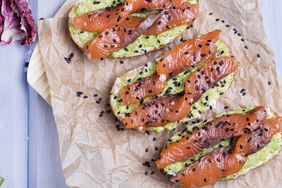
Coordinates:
x,y
45,169
273,26
13,117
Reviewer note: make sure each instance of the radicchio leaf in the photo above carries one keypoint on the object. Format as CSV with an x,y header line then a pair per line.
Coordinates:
x,y
11,26
23,10
16,22
1,20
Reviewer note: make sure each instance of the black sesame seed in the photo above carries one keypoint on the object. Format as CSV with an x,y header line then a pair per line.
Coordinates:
x,y
242,90
79,93
260,134
69,58
258,55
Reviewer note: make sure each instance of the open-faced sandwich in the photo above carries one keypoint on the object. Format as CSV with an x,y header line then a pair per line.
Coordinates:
x,y
177,87
222,149
126,28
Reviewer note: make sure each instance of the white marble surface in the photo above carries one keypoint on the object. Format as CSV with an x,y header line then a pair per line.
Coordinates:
x,y
40,158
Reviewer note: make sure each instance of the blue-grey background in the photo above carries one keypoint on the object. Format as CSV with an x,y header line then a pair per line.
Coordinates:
x,y
28,138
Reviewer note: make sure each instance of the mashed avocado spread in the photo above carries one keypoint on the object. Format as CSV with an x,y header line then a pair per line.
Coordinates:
x,y
253,161
147,42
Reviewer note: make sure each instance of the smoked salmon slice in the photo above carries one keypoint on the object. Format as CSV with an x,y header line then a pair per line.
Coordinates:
x,y
258,137
205,77
219,163
161,111
170,18
220,128
113,39
171,63
227,161
99,20
142,88
158,112
143,5
188,54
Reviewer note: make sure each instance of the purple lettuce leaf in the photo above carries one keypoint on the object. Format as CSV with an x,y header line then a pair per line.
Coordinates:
x,y
16,22
11,24
23,11
1,20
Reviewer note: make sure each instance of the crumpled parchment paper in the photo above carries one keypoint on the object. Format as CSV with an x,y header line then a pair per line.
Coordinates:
x,y
94,153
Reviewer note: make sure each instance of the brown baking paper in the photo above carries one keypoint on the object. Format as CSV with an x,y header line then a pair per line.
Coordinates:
x,y
94,153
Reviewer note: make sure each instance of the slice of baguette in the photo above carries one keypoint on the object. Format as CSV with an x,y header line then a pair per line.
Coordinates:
x,y
199,107
161,40
264,155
